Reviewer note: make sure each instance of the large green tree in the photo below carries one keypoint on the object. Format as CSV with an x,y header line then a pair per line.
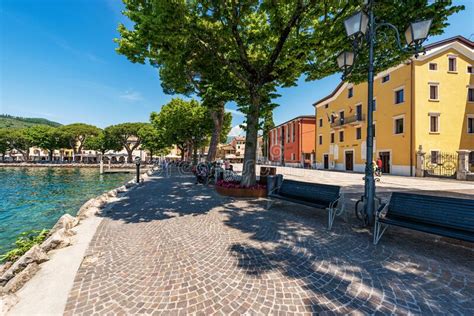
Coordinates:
x,y
152,140
102,143
47,137
187,124
4,142
76,135
127,136
265,44
19,140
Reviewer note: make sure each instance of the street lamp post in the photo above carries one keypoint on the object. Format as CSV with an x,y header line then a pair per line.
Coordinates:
x,y
362,26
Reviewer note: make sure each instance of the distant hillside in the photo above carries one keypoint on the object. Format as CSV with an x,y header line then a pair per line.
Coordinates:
x,y
19,122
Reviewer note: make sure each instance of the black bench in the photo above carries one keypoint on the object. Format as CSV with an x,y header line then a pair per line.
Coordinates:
x,y
442,216
316,195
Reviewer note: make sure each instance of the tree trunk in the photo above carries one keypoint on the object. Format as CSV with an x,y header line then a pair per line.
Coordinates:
x,y
50,155
249,177
129,154
218,119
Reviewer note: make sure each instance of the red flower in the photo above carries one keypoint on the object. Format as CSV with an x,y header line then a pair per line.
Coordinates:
x,y
236,185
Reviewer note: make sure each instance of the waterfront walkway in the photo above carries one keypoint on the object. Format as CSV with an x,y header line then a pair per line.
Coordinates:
x,y
174,247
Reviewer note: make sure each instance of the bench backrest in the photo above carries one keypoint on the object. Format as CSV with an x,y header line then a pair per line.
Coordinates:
x,y
310,192
435,210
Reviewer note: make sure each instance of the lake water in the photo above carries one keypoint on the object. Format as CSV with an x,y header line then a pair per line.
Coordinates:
x,y
35,198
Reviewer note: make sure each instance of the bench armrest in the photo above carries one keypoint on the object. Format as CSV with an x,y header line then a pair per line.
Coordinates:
x,y
382,210
275,189
340,198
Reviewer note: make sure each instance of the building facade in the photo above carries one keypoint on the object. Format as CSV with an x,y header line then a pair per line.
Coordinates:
x,y
426,103
292,143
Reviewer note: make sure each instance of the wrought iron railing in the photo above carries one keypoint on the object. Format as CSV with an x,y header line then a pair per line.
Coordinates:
x,y
348,120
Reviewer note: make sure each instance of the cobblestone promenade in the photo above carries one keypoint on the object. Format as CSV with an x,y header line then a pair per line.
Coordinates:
x,y
172,247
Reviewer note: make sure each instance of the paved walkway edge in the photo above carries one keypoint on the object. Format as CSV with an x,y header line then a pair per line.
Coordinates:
x,y
46,293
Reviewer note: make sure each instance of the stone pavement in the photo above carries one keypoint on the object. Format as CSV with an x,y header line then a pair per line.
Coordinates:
x,y
172,247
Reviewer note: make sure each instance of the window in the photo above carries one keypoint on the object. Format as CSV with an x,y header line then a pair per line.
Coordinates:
x,y
320,139
470,125
399,96
292,156
374,105
326,106
341,117
333,118
452,64
350,92
332,138
434,123
385,78
359,133
433,66
435,156
469,69
359,112
287,134
294,131
471,158
433,92
320,122
398,128
470,94
373,130
341,136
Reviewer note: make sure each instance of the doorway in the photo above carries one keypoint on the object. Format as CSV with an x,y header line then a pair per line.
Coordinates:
x,y
349,155
385,157
326,161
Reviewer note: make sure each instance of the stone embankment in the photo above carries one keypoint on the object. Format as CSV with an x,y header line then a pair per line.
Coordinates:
x,y
14,275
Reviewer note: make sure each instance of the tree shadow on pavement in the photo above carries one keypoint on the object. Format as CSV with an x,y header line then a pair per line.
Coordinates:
x,y
164,198
342,272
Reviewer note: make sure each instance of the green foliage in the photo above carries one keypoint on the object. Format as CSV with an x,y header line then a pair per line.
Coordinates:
x,y
18,139
126,134
246,49
46,137
184,123
23,243
76,134
151,139
4,141
102,142
10,121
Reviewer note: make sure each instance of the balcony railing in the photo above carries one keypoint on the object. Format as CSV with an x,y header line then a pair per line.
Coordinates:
x,y
348,120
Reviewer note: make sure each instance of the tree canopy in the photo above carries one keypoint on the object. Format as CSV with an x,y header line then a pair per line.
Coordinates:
x,y
126,135
46,137
187,124
76,134
260,45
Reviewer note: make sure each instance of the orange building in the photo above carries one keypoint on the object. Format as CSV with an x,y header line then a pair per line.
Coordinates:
x,y
292,143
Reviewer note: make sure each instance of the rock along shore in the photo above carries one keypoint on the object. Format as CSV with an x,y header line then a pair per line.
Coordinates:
x,y
14,275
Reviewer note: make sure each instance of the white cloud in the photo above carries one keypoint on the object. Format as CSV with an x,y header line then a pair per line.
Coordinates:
x,y
131,96
235,112
236,131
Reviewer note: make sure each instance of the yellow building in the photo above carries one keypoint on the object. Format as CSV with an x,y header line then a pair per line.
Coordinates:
x,y
427,102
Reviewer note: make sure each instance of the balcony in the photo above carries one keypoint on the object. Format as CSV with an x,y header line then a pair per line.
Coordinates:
x,y
353,120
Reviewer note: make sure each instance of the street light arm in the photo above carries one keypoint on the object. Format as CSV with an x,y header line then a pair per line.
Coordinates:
x,y
394,28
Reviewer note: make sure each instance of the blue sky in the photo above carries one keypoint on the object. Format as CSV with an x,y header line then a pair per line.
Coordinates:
x,y
57,61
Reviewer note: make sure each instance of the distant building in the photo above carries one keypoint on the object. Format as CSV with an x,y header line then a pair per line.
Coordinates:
x,y
238,143
292,143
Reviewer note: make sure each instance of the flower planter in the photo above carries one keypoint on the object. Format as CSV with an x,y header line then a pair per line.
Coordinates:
x,y
242,192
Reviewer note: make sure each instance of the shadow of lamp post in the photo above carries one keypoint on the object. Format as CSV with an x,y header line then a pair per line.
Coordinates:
x,y
362,28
